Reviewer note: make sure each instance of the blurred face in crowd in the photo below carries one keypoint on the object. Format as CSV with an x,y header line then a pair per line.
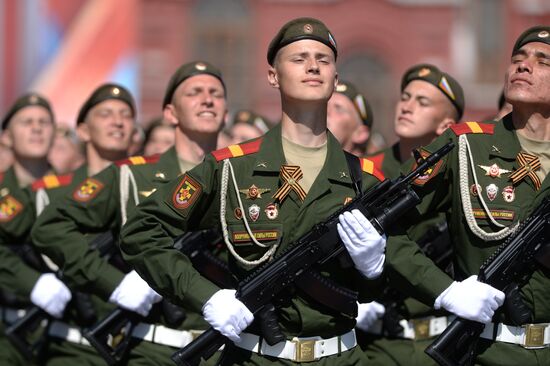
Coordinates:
x,y
342,118
161,138
243,131
65,154
423,111
527,79
30,133
109,126
304,71
198,105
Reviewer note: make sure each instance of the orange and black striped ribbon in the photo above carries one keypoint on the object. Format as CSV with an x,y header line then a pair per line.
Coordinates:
x,y
528,165
290,174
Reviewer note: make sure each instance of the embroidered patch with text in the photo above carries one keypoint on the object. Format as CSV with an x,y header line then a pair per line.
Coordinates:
x,y
497,214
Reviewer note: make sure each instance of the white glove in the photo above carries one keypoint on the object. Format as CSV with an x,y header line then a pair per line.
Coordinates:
x,y
368,314
134,294
365,246
50,294
471,299
227,314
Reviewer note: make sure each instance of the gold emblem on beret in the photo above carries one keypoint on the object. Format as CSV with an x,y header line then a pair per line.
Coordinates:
x,y
115,91
33,99
308,28
341,88
424,72
243,116
543,34
200,66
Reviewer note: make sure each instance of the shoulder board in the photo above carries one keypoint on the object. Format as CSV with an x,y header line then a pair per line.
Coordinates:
x,y
377,159
138,160
472,127
52,181
368,166
233,151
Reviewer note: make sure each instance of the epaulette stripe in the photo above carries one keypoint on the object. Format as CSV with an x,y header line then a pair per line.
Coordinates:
x,y
378,160
473,127
368,167
137,160
51,181
235,150
251,147
221,154
65,179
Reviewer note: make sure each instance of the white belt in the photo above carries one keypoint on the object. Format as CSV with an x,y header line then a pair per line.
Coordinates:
x,y
162,335
67,332
299,349
417,329
11,315
530,336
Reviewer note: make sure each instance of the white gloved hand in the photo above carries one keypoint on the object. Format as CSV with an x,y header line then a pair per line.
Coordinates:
x,y
134,294
365,246
50,294
471,299
227,314
368,314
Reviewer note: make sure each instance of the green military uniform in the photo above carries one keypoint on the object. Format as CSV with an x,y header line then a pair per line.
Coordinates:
x,y
95,206
193,202
494,147
402,351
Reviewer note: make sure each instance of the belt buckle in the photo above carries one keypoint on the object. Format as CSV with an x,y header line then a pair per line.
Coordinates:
x,y
534,336
421,328
305,350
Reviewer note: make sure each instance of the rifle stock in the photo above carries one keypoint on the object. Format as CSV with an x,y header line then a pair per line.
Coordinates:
x,y
382,205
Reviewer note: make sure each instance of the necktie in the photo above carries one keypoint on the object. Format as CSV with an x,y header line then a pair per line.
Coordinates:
x,y
290,174
528,165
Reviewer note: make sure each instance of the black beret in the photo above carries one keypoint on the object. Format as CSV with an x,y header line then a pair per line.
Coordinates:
x,y
103,93
298,29
186,71
358,100
251,118
538,33
441,80
27,100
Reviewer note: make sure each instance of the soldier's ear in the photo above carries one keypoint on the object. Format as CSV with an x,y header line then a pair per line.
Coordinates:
x,y
169,114
361,134
444,124
272,77
83,132
6,138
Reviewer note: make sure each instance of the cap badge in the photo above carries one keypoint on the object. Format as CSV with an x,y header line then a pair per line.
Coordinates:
x,y
200,66
543,34
308,28
341,88
115,91
33,99
492,191
254,212
424,72
243,116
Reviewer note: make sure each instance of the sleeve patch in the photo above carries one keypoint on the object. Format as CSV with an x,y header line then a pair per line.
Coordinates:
x,y
9,208
429,173
186,193
87,190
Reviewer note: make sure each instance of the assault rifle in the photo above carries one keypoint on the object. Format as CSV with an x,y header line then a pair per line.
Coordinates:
x,y
111,336
22,332
382,205
512,263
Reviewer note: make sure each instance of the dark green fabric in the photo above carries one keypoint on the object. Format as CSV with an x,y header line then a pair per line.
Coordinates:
x,y
103,93
27,100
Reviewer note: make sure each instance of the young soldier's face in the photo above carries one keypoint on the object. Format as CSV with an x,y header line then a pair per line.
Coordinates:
x,y
30,132
198,105
342,118
422,112
304,71
109,126
528,76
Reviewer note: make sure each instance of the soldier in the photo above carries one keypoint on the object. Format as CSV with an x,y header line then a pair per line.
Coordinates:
x,y
491,181
159,137
247,125
431,101
194,102
279,186
350,118
66,153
